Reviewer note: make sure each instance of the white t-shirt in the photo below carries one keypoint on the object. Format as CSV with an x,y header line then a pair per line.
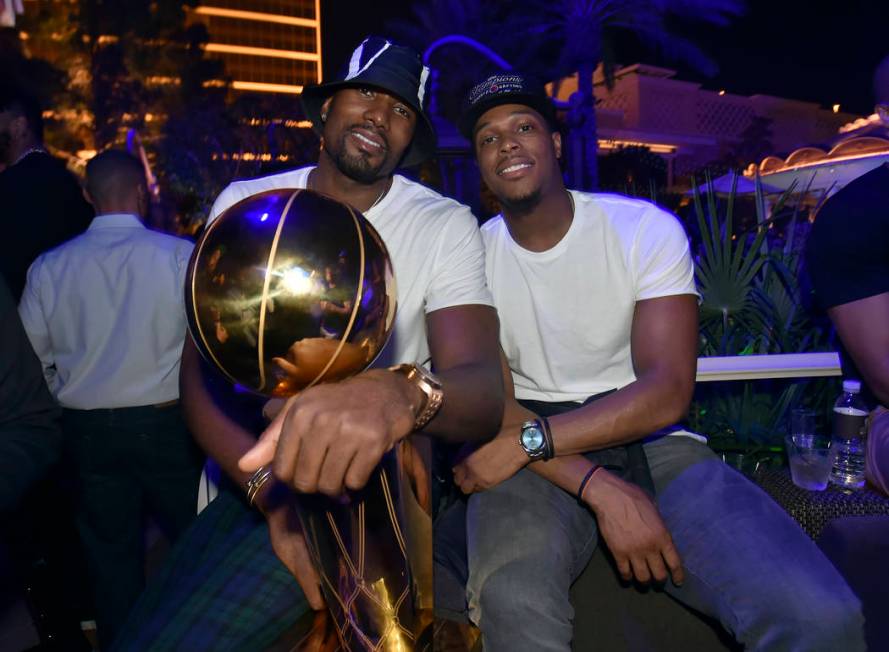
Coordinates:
x,y
566,313
434,243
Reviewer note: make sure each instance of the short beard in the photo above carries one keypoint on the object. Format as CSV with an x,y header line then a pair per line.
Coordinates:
x,y
519,206
356,167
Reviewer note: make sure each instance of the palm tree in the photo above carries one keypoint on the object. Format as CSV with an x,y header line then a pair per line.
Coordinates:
x,y
584,32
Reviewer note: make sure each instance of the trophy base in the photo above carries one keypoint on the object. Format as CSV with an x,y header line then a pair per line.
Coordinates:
x,y
315,631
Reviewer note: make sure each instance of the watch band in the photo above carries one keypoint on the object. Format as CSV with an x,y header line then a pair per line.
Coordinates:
x,y
550,451
427,383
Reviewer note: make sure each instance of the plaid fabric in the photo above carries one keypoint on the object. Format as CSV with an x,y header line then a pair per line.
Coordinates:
x,y
221,589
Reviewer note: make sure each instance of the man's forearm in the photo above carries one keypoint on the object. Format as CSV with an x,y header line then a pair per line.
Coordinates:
x,y
466,357
637,410
565,472
473,403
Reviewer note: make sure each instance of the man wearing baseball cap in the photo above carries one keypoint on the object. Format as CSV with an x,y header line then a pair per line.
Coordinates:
x,y
596,294
371,119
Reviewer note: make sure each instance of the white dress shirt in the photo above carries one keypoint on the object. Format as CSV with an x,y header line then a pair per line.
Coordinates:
x,y
105,313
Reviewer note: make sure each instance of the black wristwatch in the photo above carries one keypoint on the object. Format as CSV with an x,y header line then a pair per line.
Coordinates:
x,y
534,440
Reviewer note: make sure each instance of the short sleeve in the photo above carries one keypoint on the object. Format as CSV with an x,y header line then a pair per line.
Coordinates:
x,y
847,253
458,274
661,259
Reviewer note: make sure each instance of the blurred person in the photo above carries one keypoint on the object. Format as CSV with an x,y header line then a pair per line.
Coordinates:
x,y
596,293
30,446
30,439
42,206
847,257
105,314
42,202
371,119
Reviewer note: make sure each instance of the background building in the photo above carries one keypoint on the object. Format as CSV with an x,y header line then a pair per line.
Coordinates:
x,y
691,126
269,46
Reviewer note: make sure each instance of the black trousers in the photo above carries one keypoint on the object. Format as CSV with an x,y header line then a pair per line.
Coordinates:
x,y
127,461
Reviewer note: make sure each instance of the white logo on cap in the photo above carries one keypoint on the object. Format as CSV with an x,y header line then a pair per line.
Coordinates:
x,y
421,92
355,67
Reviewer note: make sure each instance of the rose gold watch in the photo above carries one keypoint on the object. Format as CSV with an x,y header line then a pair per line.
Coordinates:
x,y
427,383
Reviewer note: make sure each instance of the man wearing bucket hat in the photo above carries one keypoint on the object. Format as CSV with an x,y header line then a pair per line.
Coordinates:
x,y
371,119
596,293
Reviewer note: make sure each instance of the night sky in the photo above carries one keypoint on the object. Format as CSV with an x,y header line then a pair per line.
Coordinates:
x,y
821,52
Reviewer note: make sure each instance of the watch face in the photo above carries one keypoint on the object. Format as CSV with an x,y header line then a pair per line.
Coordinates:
x,y
532,438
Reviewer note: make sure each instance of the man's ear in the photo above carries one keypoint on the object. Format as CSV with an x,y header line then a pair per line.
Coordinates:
x,y
557,144
325,108
87,196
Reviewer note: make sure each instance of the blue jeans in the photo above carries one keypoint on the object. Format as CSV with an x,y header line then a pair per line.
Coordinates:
x,y
747,563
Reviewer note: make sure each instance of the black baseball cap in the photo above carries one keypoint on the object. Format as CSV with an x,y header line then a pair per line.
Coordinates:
x,y
505,88
397,69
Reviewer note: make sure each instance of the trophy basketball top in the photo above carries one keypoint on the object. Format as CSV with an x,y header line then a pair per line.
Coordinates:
x,y
287,289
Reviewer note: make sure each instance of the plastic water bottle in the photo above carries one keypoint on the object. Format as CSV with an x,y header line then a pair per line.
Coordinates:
x,y
849,415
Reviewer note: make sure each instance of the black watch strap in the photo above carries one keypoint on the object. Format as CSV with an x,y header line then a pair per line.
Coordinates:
x,y
550,450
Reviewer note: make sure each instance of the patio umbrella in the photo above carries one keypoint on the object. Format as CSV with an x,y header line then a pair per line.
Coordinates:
x,y
723,186
817,171
827,174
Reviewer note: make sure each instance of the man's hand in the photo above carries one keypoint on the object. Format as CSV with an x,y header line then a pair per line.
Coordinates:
x,y
288,542
499,459
330,438
632,527
322,637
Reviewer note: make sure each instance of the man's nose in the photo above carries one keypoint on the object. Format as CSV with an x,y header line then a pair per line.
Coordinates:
x,y
377,112
508,143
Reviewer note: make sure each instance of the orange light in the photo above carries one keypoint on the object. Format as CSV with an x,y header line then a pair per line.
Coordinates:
x,y
722,92
257,16
656,148
261,52
267,88
836,108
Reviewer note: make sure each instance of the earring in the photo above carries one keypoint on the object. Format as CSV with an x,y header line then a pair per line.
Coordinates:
x,y
323,117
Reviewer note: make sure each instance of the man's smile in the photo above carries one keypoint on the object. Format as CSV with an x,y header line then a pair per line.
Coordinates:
x,y
515,169
368,140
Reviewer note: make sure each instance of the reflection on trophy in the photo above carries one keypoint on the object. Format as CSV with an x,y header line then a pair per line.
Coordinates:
x,y
288,289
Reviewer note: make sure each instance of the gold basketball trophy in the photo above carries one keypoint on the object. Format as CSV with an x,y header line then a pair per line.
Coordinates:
x,y
288,289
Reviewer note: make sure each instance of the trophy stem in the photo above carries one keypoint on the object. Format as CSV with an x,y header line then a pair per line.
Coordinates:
x,y
373,554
